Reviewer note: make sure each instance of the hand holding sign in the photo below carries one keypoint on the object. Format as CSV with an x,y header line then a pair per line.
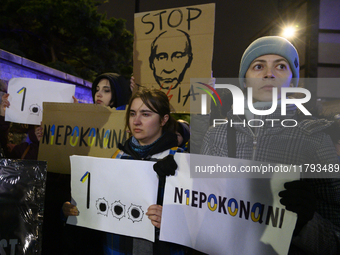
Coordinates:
x,y
4,104
121,192
154,213
70,209
27,95
299,197
213,215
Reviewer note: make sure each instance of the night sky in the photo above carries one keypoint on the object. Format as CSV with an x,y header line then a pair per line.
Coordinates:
x,y
236,23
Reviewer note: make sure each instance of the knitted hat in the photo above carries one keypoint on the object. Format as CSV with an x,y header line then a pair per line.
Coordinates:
x,y
120,88
270,45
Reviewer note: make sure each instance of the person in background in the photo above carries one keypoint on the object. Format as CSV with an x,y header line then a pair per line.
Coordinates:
x,y
26,150
30,147
183,134
108,90
112,90
57,186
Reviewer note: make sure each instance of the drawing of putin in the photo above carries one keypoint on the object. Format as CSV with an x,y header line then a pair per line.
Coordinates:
x,y
170,57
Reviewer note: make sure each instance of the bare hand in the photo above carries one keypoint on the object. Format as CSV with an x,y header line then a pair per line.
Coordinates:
x,y
4,104
70,209
38,132
75,100
154,213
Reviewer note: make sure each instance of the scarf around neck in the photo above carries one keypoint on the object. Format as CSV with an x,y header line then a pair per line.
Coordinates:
x,y
142,150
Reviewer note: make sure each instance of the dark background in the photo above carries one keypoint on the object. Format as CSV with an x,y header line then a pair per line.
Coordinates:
x,y
236,24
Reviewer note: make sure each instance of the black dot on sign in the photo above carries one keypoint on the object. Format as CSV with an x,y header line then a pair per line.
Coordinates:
x,y
102,207
135,213
118,209
35,109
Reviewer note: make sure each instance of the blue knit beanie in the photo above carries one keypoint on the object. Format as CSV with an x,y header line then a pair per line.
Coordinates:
x,y
270,45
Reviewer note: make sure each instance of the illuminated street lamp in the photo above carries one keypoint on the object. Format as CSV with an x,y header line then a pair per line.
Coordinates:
x,y
289,32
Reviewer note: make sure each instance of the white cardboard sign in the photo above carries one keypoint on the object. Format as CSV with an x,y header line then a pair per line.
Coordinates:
x,y
27,96
225,216
113,195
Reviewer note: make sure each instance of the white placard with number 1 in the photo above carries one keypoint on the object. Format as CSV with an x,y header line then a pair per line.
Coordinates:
x,y
26,97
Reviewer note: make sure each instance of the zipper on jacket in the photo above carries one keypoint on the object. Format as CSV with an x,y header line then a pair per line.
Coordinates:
x,y
255,135
254,146
254,139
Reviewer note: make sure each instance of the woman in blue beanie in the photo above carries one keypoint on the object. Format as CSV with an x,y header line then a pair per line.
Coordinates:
x,y
272,62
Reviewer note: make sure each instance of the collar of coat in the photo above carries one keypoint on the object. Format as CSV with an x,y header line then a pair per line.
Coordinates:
x,y
167,141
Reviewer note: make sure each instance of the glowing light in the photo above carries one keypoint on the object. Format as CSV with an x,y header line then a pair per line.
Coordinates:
x,y
289,32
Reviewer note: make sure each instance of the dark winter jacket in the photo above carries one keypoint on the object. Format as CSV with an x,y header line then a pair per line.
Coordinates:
x,y
305,143
118,244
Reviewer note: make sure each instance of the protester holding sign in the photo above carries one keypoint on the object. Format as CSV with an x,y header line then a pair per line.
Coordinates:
x,y
111,89
57,187
28,150
153,138
25,150
271,63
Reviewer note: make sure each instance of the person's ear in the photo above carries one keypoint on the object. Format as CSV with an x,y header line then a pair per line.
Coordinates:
x,y
164,119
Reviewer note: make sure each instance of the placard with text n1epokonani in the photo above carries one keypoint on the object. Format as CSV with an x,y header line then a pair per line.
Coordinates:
x,y
225,215
27,95
79,129
170,47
